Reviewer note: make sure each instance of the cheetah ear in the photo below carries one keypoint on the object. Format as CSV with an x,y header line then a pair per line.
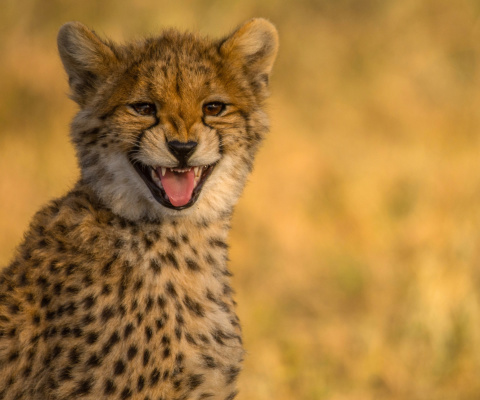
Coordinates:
x,y
86,58
254,46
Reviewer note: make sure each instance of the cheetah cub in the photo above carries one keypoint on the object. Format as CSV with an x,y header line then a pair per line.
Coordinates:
x,y
120,289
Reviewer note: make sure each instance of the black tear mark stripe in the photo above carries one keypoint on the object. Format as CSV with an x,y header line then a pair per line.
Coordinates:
x,y
139,138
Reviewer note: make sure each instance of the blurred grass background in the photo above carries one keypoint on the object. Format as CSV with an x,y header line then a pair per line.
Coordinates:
x,y
356,245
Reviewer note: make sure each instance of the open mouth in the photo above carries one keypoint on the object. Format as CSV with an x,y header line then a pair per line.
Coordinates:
x,y
176,188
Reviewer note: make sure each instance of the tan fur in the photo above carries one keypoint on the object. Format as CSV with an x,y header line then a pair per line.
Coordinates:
x,y
113,295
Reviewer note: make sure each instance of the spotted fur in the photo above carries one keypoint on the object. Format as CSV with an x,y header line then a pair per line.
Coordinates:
x,y
113,295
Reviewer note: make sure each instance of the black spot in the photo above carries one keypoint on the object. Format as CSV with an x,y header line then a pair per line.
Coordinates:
x,y
231,374
53,268
149,305
30,298
148,243
128,330
89,302
27,371
94,361
216,242
173,242
77,331
50,332
23,280
14,308
126,393
67,331
66,373
232,395
106,290
195,381
36,319
112,341
132,352
209,259
148,333
194,307
107,267
134,305
161,302
91,337
74,356
45,301
88,319
71,267
166,340
160,323
179,319
83,387
172,260
57,289
140,383
72,289
138,285
178,332
107,313
146,357
166,352
122,310
110,387
179,358
42,282
171,289
154,377
57,350
218,336
192,265
209,361
155,266
190,339
119,367
87,280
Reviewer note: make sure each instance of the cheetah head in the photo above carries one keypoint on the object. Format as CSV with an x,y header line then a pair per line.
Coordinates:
x,y
168,125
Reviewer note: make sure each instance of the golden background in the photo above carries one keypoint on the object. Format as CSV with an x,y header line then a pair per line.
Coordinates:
x,y
355,248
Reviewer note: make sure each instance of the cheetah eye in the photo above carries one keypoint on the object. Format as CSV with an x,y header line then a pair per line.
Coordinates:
x,y
213,109
144,108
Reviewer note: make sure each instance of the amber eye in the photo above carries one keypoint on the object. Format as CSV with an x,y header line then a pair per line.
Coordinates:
x,y
213,109
144,108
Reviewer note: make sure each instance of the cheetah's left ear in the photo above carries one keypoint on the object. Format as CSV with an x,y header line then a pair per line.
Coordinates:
x,y
87,59
254,45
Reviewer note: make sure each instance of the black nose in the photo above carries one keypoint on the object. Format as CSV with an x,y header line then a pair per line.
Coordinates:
x,y
182,150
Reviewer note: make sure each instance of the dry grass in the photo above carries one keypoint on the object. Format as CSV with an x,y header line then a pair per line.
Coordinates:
x,y
356,246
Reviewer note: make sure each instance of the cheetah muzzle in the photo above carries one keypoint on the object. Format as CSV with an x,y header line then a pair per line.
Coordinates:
x,y
176,188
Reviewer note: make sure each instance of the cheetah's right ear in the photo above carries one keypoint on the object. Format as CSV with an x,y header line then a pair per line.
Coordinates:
x,y
86,58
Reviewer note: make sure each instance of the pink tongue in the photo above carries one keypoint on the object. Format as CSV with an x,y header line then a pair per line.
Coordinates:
x,y
178,186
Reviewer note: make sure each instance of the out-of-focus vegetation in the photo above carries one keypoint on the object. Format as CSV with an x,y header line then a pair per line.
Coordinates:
x,y
356,247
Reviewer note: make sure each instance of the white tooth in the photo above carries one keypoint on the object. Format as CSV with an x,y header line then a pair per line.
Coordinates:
x,y
164,170
195,170
155,178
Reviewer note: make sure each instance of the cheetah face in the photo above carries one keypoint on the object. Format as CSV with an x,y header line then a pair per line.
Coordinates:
x,y
176,119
